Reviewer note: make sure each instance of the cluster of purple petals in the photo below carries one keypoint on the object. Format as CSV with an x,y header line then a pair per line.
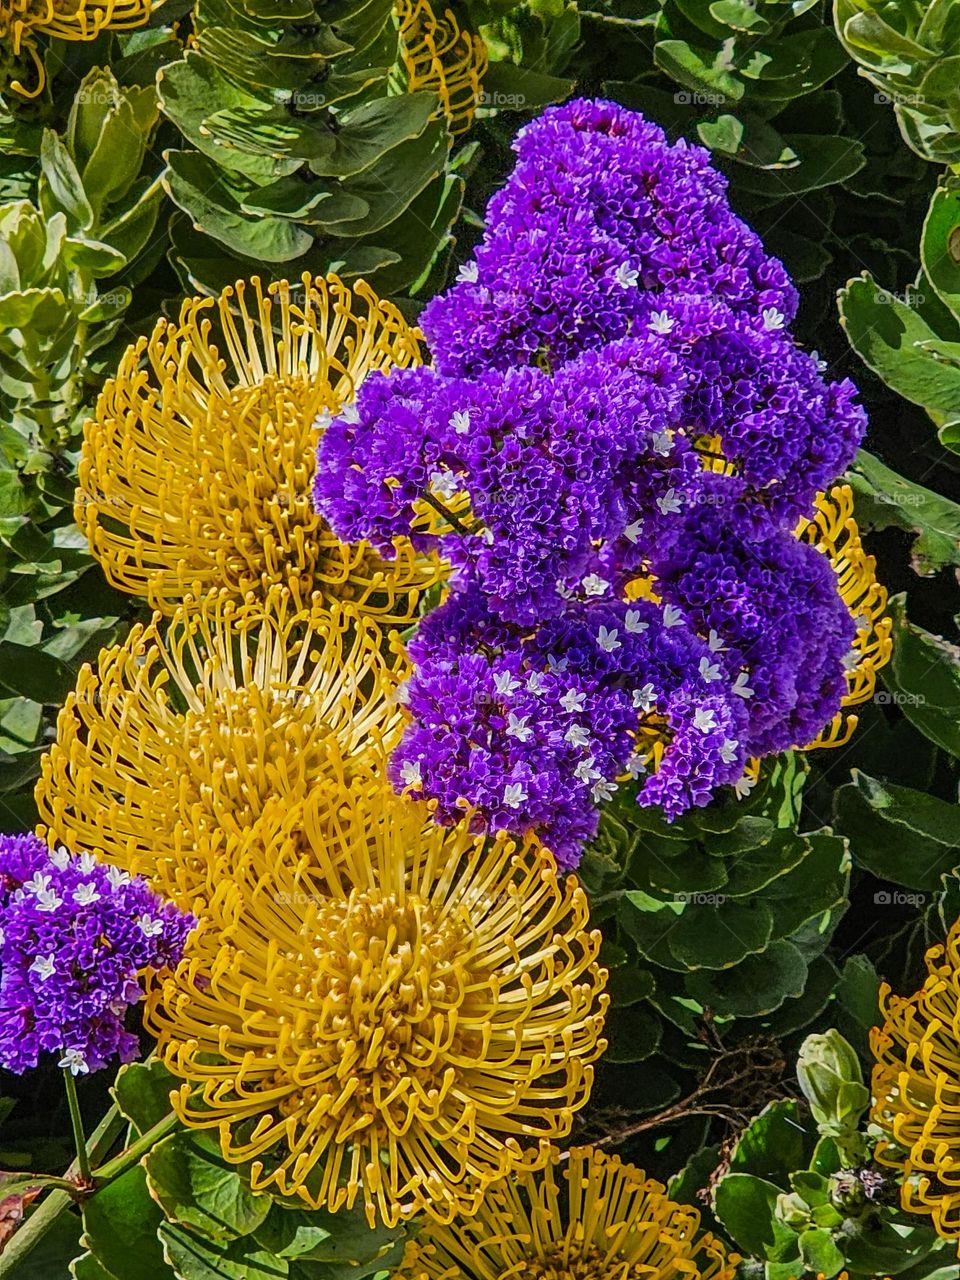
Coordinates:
x,y
786,431
772,602
536,729
599,210
555,467
618,326
74,937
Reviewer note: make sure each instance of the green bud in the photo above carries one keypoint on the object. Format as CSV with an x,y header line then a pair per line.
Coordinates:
x,y
793,1210
832,1082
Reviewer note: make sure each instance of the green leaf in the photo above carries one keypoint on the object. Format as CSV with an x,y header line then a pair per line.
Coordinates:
x,y
772,1145
202,102
858,995
62,189
923,677
746,1206
708,937
194,1258
198,187
741,16
940,244
198,1189
885,333
34,674
758,984
697,70
45,311
886,500
142,1092
507,87
54,1250
899,834
118,156
634,1034
819,1252
343,1242
369,132
120,1229
390,186
823,162
92,255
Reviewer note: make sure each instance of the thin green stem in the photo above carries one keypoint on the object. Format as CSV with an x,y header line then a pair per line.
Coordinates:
x,y
79,1137
41,1219
131,1155
441,510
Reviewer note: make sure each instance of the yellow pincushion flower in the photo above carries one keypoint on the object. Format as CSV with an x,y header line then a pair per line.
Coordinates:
x,y
585,1216
393,1014
438,57
180,737
916,1088
21,21
196,468
834,531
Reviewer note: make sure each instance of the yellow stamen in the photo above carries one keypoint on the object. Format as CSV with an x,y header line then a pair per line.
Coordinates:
x,y
916,1087
197,466
584,1216
834,531
181,736
21,21
382,1011
439,58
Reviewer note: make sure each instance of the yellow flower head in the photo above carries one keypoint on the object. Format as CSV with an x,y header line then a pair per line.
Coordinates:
x,y
439,58
585,1216
21,21
916,1087
834,531
398,1014
180,737
197,466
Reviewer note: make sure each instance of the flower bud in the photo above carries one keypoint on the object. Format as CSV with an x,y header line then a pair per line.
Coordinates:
x,y
832,1082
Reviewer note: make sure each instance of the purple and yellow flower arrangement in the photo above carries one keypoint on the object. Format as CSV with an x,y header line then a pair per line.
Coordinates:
x,y
614,448
428,603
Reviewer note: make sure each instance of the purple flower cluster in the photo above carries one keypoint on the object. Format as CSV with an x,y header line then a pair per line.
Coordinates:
x,y
74,936
599,212
537,726
612,449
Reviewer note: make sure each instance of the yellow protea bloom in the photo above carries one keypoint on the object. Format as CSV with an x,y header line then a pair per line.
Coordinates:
x,y
585,1216
834,531
21,21
180,736
438,57
916,1089
394,1014
197,465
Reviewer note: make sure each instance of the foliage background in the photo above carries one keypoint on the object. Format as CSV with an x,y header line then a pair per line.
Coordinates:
x,y
232,136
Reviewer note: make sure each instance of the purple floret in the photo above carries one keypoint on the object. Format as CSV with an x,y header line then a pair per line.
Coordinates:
x,y
773,602
74,937
599,210
535,731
